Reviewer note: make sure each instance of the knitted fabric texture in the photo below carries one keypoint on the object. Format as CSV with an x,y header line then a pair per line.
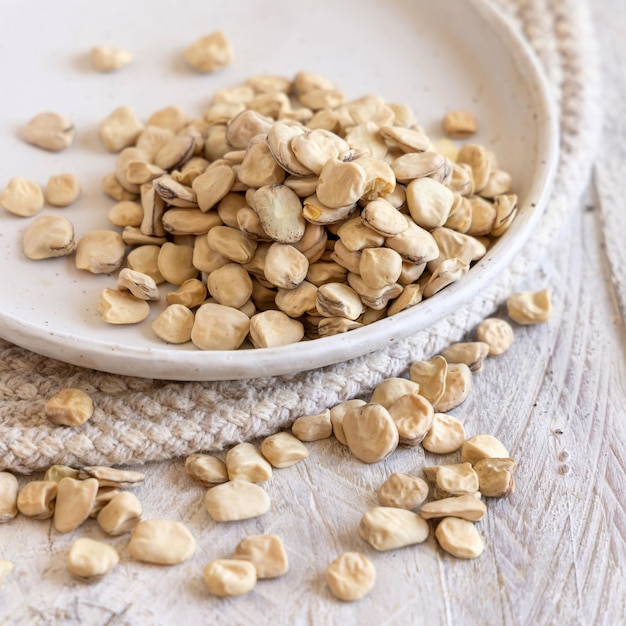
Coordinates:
x,y
139,420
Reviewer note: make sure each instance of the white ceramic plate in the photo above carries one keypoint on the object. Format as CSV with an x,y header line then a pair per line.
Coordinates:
x,y
435,56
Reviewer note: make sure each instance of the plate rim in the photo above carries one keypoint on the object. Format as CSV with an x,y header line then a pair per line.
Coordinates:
x,y
219,365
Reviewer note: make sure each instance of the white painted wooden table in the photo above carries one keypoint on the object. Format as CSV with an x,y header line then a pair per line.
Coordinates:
x,y
555,550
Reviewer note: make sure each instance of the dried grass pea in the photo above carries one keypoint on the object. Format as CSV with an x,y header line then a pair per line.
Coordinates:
x,y
351,576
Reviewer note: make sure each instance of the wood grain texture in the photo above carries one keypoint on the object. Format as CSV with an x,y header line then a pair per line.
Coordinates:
x,y
555,549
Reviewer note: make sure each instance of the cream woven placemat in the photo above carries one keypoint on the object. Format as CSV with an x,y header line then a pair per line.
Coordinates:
x,y
140,420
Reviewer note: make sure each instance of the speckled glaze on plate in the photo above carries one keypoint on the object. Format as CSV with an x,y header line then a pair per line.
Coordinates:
x,y
432,56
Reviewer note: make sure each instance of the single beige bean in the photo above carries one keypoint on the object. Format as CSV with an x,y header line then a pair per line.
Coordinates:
x,y
172,118
244,126
62,190
175,263
338,300
174,324
121,307
91,560
480,160
206,469
417,165
411,272
429,202
389,528
74,501
230,577
111,186
529,307
57,472
370,432
280,137
191,293
458,387
467,506
483,446
380,215
270,329
260,168
403,491
49,236
126,213
219,327
100,252
9,488
338,412
392,389
413,416
459,124
266,552
232,243
120,129
112,477
405,138
140,285
380,267
483,216
356,235
446,434
36,499
69,407
178,150
453,244
210,53
313,427
280,211
103,497
453,480
230,285
245,462
341,183
495,477
144,259
6,567
110,58
447,272
283,450
472,353
50,131
236,500
499,183
351,576
22,197
410,296
213,185
505,206
121,514
415,244
459,538
431,377
285,266
164,542
496,333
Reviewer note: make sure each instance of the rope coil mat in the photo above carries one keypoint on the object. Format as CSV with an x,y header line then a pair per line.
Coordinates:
x,y
139,420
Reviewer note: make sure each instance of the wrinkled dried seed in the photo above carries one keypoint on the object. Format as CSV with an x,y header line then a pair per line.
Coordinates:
x,y
91,560
69,407
389,528
50,131
163,542
403,491
236,500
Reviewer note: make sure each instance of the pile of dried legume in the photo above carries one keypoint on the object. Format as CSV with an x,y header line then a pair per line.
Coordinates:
x,y
284,212
404,412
